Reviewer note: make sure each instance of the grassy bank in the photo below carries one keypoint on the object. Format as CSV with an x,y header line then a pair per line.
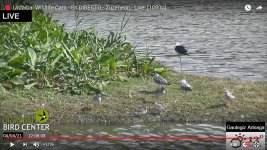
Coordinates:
x,y
205,103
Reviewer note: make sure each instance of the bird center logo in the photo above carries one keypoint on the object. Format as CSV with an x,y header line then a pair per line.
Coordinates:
x,y
42,116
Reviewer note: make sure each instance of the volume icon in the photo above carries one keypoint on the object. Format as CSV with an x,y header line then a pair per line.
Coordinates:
x,y
36,144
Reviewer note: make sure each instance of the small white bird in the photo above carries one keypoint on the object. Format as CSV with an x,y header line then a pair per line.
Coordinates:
x,y
185,86
97,99
142,111
229,96
159,106
160,80
130,95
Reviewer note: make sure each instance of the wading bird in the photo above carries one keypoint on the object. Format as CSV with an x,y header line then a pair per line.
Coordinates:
x,y
160,80
180,50
229,97
185,86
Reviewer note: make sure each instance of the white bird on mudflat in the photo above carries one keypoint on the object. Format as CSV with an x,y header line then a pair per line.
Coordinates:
x,y
97,99
160,80
185,86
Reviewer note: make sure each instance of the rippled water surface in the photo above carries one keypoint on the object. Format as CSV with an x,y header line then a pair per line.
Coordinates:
x,y
223,39
147,130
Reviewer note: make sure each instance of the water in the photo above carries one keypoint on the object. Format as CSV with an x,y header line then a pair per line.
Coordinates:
x,y
147,130
223,39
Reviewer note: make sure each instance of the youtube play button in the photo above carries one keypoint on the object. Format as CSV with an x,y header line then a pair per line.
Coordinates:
x,y
11,144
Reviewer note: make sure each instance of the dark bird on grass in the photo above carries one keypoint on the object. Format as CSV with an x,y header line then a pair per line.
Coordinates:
x,y
180,50
185,86
160,80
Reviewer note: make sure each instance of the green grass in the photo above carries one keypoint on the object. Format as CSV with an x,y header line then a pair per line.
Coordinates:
x,y
205,103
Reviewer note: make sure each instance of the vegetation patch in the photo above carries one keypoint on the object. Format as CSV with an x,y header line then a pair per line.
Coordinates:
x,y
42,54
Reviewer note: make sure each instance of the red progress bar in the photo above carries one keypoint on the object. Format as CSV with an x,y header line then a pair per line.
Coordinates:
x,y
125,138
